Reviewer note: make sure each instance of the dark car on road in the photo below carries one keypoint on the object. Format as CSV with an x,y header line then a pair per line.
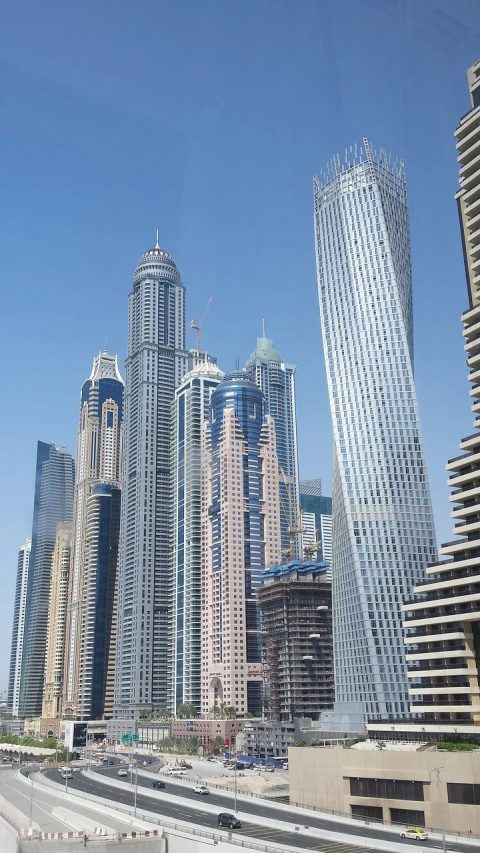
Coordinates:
x,y
227,819
158,784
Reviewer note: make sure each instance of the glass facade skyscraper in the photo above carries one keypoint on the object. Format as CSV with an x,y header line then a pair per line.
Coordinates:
x,y
190,411
383,529
53,503
99,461
18,628
240,537
317,520
277,381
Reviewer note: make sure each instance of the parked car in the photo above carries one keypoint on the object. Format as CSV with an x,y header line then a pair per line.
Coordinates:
x,y
285,765
210,758
251,766
158,784
122,772
415,832
229,820
240,765
179,771
201,789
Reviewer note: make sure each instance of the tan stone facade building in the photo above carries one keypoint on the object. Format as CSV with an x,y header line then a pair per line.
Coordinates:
x,y
419,788
57,619
240,536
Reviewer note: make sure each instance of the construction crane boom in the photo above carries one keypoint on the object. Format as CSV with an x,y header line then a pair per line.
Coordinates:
x,y
294,517
198,326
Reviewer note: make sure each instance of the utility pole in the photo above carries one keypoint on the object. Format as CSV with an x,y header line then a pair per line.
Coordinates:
x,y
135,799
235,779
31,800
442,825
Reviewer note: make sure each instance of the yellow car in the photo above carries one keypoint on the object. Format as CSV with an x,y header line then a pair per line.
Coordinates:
x,y
415,832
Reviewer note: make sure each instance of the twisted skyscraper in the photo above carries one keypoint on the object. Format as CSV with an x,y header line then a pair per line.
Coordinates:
x,y
383,529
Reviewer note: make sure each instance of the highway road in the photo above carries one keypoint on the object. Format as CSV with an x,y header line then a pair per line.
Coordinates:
x,y
191,810
47,807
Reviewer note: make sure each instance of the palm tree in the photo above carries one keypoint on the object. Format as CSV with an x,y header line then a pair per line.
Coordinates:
x,y
187,709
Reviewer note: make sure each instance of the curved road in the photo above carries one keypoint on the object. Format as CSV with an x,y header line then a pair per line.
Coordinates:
x,y
190,811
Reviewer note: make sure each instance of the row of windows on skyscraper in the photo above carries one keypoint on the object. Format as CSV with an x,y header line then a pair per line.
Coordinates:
x,y
171,511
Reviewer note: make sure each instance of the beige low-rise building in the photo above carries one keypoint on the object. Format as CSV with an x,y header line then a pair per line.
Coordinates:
x,y
207,730
414,786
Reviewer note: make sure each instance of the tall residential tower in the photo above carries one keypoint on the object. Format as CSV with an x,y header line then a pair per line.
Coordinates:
x,y
18,628
240,537
156,362
383,529
277,381
57,623
53,503
99,461
190,410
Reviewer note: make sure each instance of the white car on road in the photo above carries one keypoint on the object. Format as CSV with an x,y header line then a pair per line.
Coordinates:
x,y
415,832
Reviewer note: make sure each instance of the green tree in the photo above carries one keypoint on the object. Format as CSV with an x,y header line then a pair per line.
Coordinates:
x,y
217,745
230,712
187,709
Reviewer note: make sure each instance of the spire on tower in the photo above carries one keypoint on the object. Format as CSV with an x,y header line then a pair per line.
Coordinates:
x,y
157,244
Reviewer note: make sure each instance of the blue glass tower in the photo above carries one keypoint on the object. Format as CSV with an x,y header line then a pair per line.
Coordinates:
x,y
53,503
101,555
99,464
240,537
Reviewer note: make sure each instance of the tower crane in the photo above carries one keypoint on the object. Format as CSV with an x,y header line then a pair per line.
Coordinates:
x,y
198,326
294,517
310,549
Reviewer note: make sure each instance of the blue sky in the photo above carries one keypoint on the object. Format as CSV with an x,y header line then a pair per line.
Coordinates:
x,y
207,120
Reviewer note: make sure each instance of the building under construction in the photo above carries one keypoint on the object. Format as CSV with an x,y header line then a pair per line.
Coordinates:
x,y
296,608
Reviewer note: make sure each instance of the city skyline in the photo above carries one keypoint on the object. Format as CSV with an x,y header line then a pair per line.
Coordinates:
x,y
106,110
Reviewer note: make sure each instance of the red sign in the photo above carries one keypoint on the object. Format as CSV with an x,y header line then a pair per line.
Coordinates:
x,y
227,741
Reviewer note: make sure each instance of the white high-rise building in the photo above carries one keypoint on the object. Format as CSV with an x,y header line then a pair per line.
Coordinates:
x,y
18,629
190,410
276,379
383,529
156,362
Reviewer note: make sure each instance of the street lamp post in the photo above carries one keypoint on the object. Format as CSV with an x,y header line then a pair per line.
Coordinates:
x,y
31,801
235,779
135,799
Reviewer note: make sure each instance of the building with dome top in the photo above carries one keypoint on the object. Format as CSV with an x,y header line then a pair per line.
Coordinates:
x,y
190,410
155,365
240,537
277,380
